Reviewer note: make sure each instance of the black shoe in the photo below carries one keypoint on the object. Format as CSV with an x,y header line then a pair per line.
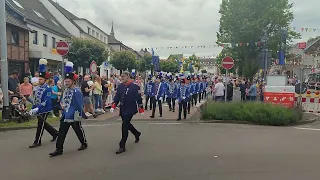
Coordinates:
x,y
54,138
34,145
121,150
146,108
152,116
179,119
160,115
188,112
56,153
95,115
173,110
83,147
137,137
170,109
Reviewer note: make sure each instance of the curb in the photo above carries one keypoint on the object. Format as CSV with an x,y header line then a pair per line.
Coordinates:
x,y
249,123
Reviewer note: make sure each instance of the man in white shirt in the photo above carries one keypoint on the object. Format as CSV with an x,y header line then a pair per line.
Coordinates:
x,y
35,82
219,91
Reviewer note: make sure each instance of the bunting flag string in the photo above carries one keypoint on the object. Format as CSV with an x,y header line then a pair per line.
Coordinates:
x,y
304,29
222,45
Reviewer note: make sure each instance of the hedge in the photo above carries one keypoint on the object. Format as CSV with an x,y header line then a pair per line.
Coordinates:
x,y
256,113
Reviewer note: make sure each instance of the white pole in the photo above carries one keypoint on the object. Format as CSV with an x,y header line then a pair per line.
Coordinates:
x,y
4,62
226,86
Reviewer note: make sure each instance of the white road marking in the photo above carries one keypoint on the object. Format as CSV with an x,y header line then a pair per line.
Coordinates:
x,y
310,129
165,123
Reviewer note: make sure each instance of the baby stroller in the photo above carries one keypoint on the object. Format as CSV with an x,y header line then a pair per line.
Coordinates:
x,y
18,110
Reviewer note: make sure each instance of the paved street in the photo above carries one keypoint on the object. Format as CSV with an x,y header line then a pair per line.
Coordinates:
x,y
168,151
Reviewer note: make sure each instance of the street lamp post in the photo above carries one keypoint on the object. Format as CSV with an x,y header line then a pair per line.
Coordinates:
x,y
4,62
265,57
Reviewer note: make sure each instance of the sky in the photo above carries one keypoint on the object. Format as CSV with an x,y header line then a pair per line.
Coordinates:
x,y
174,23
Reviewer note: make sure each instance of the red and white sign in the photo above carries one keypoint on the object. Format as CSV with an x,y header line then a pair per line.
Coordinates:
x,y
302,45
62,48
93,67
284,99
227,63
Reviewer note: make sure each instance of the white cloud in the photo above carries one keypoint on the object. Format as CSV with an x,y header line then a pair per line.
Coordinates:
x,y
163,23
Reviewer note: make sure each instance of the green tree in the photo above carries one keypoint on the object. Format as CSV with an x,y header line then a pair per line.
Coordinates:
x,y
83,51
194,60
144,63
169,66
124,60
248,21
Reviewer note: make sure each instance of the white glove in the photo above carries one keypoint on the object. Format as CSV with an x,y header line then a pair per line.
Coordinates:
x,y
183,98
33,111
190,94
160,99
111,110
165,97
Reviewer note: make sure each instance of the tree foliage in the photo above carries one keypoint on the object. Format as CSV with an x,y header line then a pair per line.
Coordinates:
x,y
83,51
248,21
194,61
124,60
145,63
169,66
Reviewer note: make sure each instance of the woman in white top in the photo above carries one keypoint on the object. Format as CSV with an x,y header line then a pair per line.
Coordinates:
x,y
97,94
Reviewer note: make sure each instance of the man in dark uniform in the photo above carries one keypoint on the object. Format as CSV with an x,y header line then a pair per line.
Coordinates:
x,y
149,92
128,95
159,92
183,93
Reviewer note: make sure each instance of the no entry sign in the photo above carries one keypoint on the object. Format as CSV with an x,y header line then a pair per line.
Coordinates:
x,y
62,48
227,63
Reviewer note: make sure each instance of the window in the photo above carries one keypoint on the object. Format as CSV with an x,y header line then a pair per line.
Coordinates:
x,y
39,15
45,40
105,40
89,30
54,22
15,38
101,38
35,37
93,32
53,42
18,4
97,35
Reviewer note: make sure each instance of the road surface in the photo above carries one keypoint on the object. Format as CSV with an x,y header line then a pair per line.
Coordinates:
x,y
168,151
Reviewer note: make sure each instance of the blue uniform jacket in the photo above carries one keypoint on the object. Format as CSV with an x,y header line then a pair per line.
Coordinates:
x,y
149,89
183,93
161,90
43,99
171,90
72,101
197,87
201,86
129,97
192,89
205,85
165,86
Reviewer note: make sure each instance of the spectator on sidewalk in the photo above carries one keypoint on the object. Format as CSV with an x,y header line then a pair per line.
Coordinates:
x,y
105,90
26,90
253,91
54,98
97,94
219,91
13,83
86,89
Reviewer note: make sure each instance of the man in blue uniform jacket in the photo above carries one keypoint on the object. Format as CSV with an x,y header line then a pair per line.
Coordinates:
x,y
42,105
72,109
129,96
183,93
171,93
149,92
201,88
159,92
205,85
191,89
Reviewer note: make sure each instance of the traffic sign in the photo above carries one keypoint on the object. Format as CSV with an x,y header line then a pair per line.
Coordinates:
x,y
227,63
62,48
93,67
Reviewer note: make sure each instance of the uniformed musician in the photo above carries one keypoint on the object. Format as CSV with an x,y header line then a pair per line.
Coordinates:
x,y
171,92
72,105
190,89
149,92
159,92
182,95
129,96
201,88
42,105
